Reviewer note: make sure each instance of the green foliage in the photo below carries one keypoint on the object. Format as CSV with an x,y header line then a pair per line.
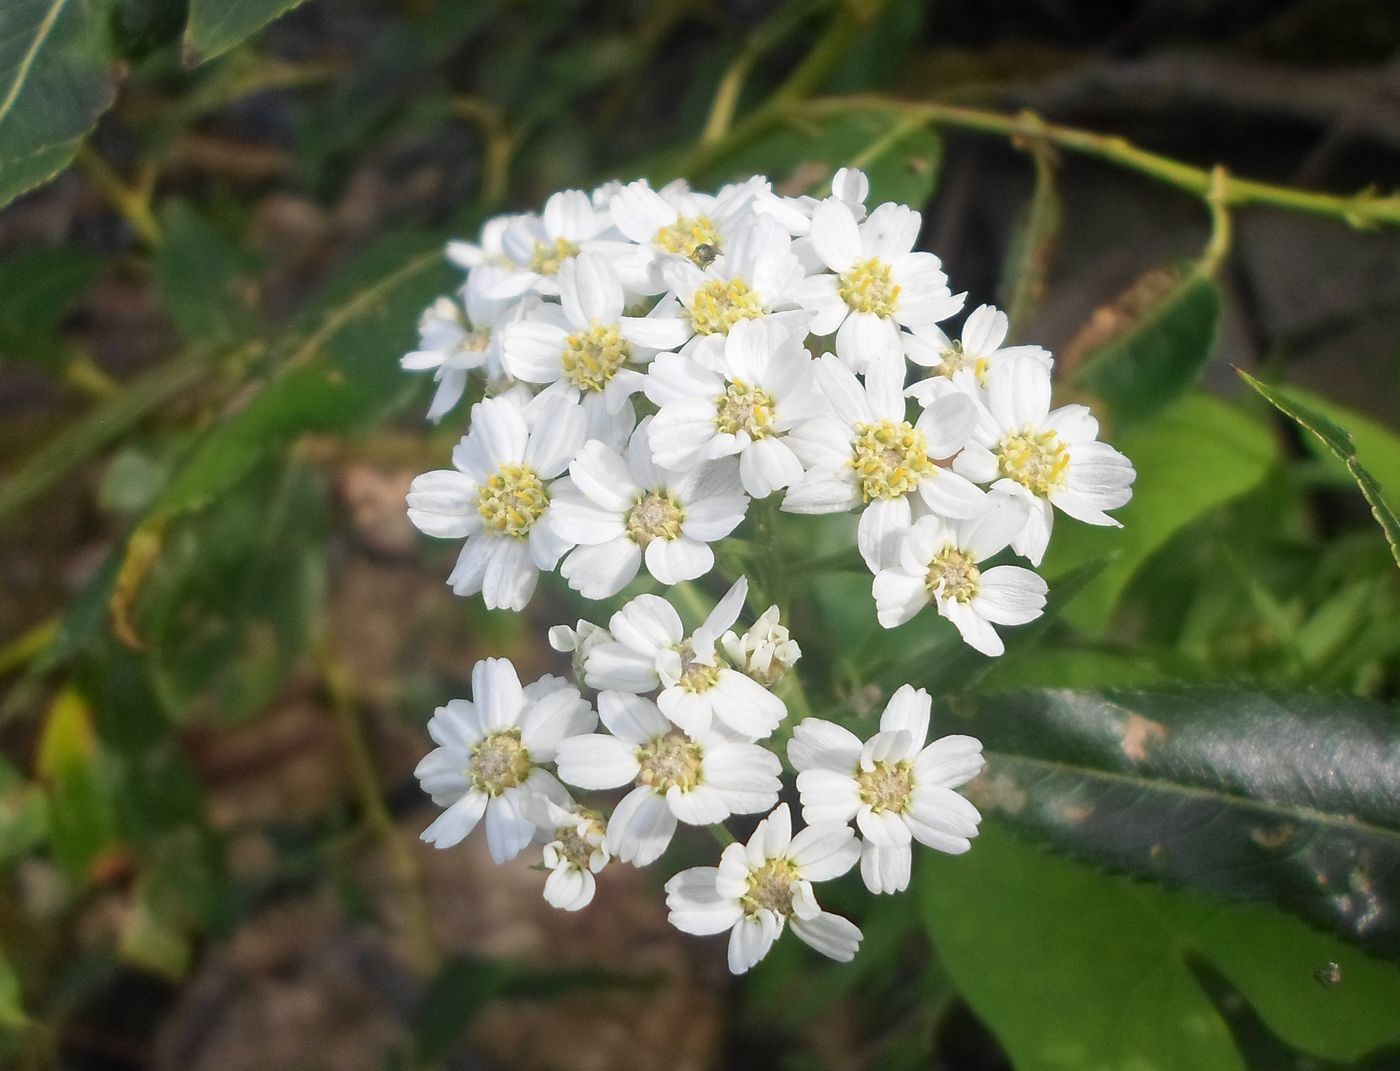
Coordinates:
x,y
215,26
1074,969
41,287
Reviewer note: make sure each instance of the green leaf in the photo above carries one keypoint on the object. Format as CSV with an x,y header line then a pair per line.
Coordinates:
x,y
198,271
215,26
55,80
1288,799
1025,277
71,766
1338,440
23,814
38,290
1146,349
12,1016
1196,456
1076,970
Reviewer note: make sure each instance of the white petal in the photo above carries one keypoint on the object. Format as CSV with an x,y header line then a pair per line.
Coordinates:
x,y
831,935
601,572
828,796
695,904
672,561
835,236
884,828
949,761
908,711
632,718
453,825
603,475
569,889
747,707
647,623
750,940
1010,595
823,852
641,827
823,745
497,694
597,761
561,712
898,596
701,806
510,576
507,830
882,526
768,465
885,870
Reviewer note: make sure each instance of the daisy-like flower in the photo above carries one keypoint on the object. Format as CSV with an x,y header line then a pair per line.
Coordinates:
x,y
576,850
849,186
697,780
867,454
623,510
490,754
454,345
938,562
757,277
585,344
1049,458
498,498
880,284
540,245
698,688
677,221
490,250
762,886
977,351
758,390
576,643
895,788
765,652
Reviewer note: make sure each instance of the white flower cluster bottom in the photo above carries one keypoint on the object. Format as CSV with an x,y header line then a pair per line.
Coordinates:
x,y
651,361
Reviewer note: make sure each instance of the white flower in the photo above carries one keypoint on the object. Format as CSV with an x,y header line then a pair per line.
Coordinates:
x,y
757,277
1048,458
765,652
489,756
879,285
937,562
650,650
895,788
455,345
759,887
977,351
539,245
623,510
868,454
698,780
585,344
577,642
490,250
677,221
849,187
758,390
498,498
575,852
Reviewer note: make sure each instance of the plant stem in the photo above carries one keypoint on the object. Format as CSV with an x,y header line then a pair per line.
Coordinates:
x,y
722,834
1221,233
132,202
1361,210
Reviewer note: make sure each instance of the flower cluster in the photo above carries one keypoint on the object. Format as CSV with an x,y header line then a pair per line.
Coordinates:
x,y
650,362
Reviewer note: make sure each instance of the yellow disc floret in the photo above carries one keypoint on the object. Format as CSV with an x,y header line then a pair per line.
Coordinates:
x,y
886,786
673,759
512,500
745,408
655,515
869,286
956,572
1036,459
500,762
693,237
954,359
771,888
592,356
890,459
720,304
549,257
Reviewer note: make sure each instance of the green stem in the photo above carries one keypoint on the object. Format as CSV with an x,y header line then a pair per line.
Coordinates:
x,y
722,834
1220,230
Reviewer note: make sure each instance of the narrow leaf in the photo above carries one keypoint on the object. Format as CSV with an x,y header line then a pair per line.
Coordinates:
x,y
1338,440
1024,280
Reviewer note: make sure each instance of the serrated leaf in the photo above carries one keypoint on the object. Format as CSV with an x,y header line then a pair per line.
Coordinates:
x,y
1074,969
215,26
1288,799
55,80
1146,349
1198,455
1338,440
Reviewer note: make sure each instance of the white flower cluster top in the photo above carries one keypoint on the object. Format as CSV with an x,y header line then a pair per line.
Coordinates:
x,y
654,360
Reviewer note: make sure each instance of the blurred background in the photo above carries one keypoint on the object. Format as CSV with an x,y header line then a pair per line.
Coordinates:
x,y
220,639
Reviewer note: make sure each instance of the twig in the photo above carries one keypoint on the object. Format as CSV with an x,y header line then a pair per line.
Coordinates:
x,y
131,201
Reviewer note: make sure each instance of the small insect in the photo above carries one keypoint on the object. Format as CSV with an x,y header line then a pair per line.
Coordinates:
x,y
1329,975
704,254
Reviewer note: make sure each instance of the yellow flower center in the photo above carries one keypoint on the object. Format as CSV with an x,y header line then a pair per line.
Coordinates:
x,y
693,237
549,257
956,571
886,787
954,360
673,759
745,408
770,888
867,286
593,356
500,762
720,304
656,515
890,459
576,844
1037,460
511,500
695,676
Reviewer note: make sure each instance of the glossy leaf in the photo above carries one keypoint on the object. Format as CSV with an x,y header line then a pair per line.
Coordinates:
x,y
1076,969
55,80
1144,351
1196,456
1338,440
1285,799
215,26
